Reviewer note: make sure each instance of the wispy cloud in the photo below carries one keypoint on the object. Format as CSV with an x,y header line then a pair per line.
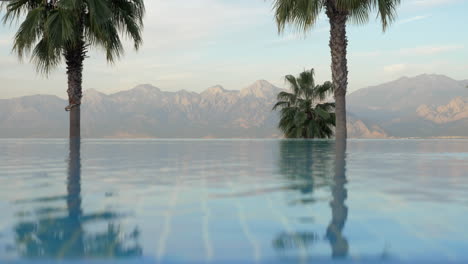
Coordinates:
x,y
367,54
429,3
416,51
395,68
5,39
430,50
289,37
172,24
299,35
412,19
408,68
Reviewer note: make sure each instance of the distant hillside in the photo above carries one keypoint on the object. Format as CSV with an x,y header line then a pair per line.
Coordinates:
x,y
408,93
422,106
465,83
33,116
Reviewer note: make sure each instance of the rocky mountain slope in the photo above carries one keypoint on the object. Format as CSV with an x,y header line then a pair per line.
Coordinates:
x,y
146,111
421,106
407,93
357,128
455,110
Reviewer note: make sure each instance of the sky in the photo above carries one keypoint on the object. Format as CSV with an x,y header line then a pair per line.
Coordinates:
x,y
195,44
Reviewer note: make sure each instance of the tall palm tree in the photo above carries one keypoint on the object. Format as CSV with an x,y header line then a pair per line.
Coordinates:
x,y
57,30
303,112
304,15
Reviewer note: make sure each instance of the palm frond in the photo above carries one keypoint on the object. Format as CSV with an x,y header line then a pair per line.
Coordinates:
x,y
46,56
286,96
307,83
359,10
281,104
17,8
128,18
293,84
329,107
303,14
386,11
98,17
322,113
29,32
59,28
321,92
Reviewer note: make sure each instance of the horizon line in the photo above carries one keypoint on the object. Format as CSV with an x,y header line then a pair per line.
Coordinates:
x,y
200,92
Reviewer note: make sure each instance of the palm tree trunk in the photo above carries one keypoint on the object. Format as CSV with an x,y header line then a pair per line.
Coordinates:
x,y
339,67
74,59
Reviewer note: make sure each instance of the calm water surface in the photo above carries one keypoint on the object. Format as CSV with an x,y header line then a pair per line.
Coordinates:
x,y
233,201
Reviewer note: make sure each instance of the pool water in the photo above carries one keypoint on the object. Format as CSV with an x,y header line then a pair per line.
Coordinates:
x,y
233,201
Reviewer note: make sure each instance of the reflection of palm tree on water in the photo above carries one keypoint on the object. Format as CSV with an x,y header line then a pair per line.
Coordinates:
x,y
76,246
309,165
65,236
306,164
338,242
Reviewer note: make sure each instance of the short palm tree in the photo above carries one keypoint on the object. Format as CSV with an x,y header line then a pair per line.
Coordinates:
x,y
303,112
57,30
304,14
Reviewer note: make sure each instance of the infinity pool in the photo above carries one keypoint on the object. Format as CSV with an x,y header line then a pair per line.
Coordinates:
x,y
233,201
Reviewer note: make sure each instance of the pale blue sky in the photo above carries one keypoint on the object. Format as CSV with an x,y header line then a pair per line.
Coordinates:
x,y
194,44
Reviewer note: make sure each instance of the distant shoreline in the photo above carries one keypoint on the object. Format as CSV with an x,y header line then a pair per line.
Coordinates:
x,y
234,138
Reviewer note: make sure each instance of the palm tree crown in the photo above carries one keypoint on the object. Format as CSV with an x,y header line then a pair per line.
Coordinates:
x,y
304,13
303,112
51,27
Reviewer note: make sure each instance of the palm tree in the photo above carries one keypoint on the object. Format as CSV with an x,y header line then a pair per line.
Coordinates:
x,y
303,113
304,15
57,30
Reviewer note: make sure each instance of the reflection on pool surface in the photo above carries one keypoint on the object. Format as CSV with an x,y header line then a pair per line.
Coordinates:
x,y
233,201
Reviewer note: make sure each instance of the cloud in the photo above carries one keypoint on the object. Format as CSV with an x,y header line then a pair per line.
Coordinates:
x,y
395,68
174,23
446,67
290,37
412,19
293,36
6,40
429,3
367,54
416,51
430,50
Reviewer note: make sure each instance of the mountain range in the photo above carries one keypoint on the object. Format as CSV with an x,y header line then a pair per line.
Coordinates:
x,y
421,106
